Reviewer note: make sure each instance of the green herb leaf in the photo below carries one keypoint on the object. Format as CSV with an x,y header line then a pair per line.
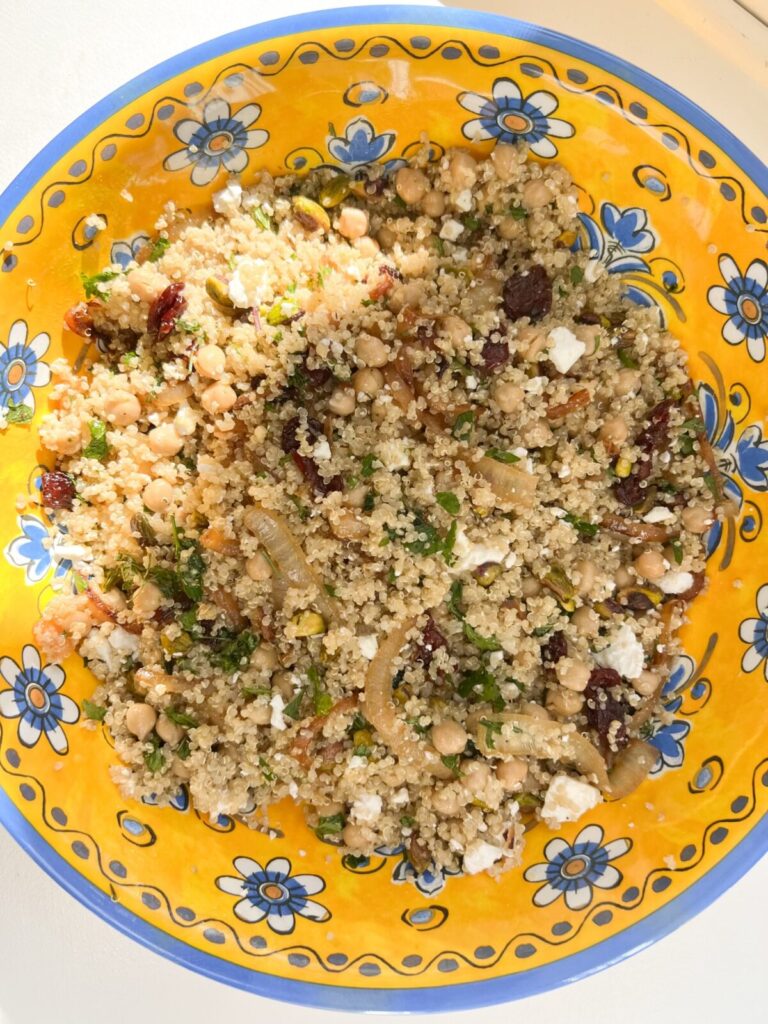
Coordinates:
x,y
235,652
626,358
97,447
470,222
367,467
129,359
687,445
18,413
263,219
455,598
576,275
81,585
369,501
450,543
293,709
463,424
141,525
439,244
166,580
191,574
694,424
255,691
123,574
330,590
154,759
711,483
181,718
321,698
430,541
91,282
94,711
301,508
677,551
517,212
480,680
266,771
157,249
452,761
448,501
582,526
501,456
407,821
490,729
543,630
483,643
331,825
187,326
183,749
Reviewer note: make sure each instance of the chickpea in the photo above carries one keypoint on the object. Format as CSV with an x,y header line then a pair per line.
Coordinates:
x,y
115,600
169,731
368,382
164,440
511,773
614,431
589,335
122,408
627,381
456,331
140,720
509,397
356,837
448,737
386,237
411,185
647,683
218,398
564,702
433,204
623,577
147,599
342,402
506,160
586,621
651,564
158,496
697,519
509,228
366,246
258,568
371,351
260,714
447,800
572,674
265,658
530,342
587,574
411,293
535,194
475,777
463,170
282,683
352,223
530,586
210,362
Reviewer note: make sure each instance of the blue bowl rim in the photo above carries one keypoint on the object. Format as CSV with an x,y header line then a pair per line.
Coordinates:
x,y
466,995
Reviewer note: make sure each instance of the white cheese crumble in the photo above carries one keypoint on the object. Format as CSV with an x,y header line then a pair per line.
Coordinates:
x,y
464,200
277,704
535,385
400,797
468,555
567,799
358,762
322,451
393,455
471,383
366,808
624,654
659,514
565,348
227,201
675,582
451,230
479,856
369,645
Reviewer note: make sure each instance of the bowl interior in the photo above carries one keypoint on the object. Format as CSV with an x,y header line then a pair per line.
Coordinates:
x,y
669,201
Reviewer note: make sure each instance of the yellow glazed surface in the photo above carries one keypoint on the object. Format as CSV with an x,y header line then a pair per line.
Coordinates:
x,y
664,205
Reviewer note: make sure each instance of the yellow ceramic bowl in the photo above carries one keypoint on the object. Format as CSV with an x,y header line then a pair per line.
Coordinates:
x,y
672,203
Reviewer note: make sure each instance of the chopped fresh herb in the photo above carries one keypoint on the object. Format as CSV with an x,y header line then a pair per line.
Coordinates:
x,y
543,630
97,447
141,525
398,201
330,590
183,750
80,584
367,302
687,445
490,729
367,467
369,501
455,598
154,758
321,698
187,326
499,455
626,358
448,501
391,576
266,771
463,424
517,212
190,575
576,275
181,718
450,543
331,825
677,551
94,711
122,574
166,580
452,761
439,245
280,312
582,526
470,222
293,708
18,413
301,508
235,652
91,282
430,540
528,801
255,691
262,218
407,821
694,424
711,483
322,274
157,249
417,727
483,643
480,680
129,359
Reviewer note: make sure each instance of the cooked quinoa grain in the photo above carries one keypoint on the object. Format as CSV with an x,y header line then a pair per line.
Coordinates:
x,y
387,501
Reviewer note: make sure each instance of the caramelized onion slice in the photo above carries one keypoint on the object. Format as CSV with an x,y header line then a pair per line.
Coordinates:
x,y
508,481
631,768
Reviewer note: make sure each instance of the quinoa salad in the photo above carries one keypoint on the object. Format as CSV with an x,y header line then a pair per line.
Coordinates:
x,y
381,498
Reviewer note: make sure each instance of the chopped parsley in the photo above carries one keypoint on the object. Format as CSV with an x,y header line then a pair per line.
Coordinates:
x,y
91,282
154,758
97,447
263,219
367,465
455,597
517,212
18,413
499,455
369,501
157,249
583,527
266,771
331,825
448,501
181,718
234,652
677,551
301,508
293,708
183,749
451,761
93,711
491,728
626,358
481,681
576,275
463,424
482,643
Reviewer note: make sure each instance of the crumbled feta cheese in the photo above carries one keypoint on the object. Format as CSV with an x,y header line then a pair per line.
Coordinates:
x,y
293,789
675,582
322,451
535,385
495,658
624,654
369,645
479,856
250,284
123,643
358,762
366,808
451,230
227,201
185,421
564,472
471,383
400,797
393,455
468,555
592,270
567,799
277,704
565,348
464,200
659,514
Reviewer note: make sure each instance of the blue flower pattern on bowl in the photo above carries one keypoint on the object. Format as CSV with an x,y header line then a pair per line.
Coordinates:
x,y
22,367
360,145
271,892
669,737
219,139
572,870
124,250
744,303
35,699
507,116
755,633
35,551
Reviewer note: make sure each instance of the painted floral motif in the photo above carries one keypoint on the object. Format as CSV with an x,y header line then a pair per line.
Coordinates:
x,y
360,145
572,869
219,139
429,881
742,456
755,633
508,116
35,699
744,303
22,368
271,892
126,249
37,551
669,738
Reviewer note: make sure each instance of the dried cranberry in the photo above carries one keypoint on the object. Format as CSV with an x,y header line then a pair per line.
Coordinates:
x,y
166,309
655,436
629,491
307,467
319,377
495,354
390,271
636,601
58,489
528,293
587,317
79,320
431,640
554,648
602,708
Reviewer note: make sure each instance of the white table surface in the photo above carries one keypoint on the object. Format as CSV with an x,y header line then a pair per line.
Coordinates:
x,y
60,963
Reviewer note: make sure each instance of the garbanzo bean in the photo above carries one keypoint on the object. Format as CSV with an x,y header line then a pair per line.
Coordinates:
x,y
448,737
210,361
696,518
158,496
371,351
411,185
218,398
164,440
140,720
352,223
122,408
368,382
